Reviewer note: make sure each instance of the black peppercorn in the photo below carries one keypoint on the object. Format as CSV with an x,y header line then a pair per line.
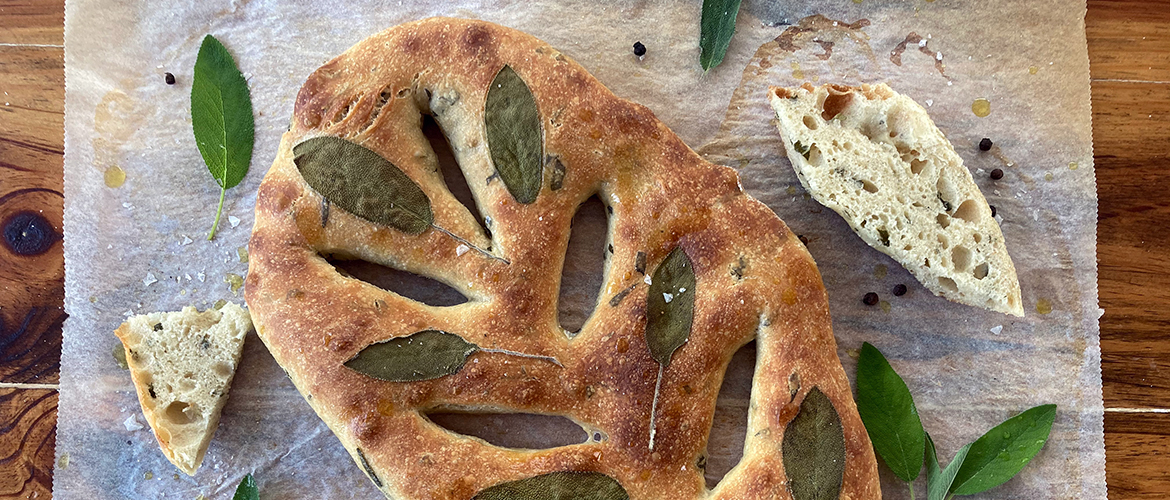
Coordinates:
x,y
992,210
997,174
870,299
985,144
170,79
639,49
899,290
803,239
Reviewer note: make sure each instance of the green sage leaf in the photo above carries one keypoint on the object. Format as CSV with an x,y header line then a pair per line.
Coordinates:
x,y
938,482
558,486
425,355
715,30
221,117
1002,452
513,135
670,305
814,450
889,414
363,183
247,489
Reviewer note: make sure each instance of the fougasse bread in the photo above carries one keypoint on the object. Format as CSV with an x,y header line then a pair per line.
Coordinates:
x,y
875,157
697,269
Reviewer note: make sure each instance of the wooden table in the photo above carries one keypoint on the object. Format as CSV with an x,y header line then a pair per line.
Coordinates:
x,y
1129,51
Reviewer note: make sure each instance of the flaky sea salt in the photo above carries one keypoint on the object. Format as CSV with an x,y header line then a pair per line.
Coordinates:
x,y
132,424
996,329
461,249
233,220
149,279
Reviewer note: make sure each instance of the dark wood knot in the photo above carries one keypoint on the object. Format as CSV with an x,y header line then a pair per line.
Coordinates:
x,y
29,233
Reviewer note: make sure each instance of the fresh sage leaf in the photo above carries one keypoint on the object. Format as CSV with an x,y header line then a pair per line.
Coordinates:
x,y
513,135
221,117
814,450
715,30
938,482
363,183
889,414
558,486
1002,452
670,305
425,355
247,489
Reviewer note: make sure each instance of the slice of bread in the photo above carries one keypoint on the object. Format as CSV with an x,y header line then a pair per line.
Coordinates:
x,y
182,364
875,157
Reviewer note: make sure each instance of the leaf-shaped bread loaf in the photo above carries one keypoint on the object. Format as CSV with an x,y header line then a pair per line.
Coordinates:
x,y
875,157
695,268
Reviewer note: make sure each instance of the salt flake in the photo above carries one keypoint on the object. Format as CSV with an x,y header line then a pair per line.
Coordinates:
x,y
233,220
667,297
647,279
461,249
149,279
922,43
132,424
996,329
186,240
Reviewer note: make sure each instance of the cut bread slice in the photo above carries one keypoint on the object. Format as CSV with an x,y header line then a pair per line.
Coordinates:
x,y
875,157
182,364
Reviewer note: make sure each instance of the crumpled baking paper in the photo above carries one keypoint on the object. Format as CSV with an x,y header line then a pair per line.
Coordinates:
x,y
141,246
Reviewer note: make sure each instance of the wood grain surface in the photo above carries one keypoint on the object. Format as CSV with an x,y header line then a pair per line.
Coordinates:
x,y
1129,52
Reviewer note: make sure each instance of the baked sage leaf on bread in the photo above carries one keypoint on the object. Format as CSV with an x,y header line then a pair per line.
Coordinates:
x,y
889,414
221,118
513,135
567,485
670,306
425,355
814,449
670,310
363,183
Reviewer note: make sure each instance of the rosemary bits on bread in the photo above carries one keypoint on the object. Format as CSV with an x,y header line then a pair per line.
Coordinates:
x,y
875,157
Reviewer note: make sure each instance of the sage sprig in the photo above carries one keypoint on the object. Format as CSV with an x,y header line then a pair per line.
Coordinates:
x,y
247,490
221,118
892,421
670,310
715,30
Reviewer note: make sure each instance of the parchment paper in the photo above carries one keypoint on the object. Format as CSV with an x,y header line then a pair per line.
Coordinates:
x,y
140,247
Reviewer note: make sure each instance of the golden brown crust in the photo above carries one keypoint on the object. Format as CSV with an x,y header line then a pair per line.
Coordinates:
x,y
662,195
